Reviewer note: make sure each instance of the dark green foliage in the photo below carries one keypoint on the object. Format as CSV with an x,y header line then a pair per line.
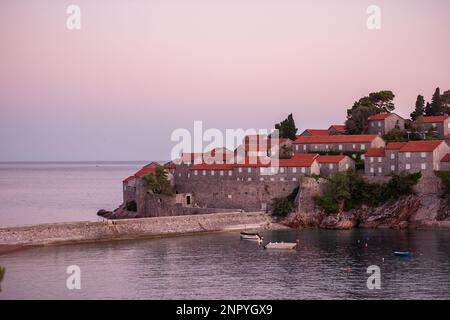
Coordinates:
x,y
287,128
419,108
396,135
436,107
284,205
346,191
445,178
365,107
2,276
446,101
131,206
158,182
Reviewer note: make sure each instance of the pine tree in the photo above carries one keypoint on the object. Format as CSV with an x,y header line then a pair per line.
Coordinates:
x,y
287,128
436,103
419,108
428,111
445,97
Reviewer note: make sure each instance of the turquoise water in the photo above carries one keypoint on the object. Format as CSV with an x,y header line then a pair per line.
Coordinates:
x,y
329,265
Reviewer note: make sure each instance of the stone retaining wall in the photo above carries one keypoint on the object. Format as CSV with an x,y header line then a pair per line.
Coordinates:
x,y
73,232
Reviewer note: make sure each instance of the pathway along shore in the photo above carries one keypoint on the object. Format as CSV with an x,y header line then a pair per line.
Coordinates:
x,y
13,238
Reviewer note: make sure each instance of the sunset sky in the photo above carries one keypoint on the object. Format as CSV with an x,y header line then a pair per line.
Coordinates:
x,y
138,69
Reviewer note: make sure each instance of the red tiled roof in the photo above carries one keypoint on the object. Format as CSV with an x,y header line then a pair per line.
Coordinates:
x,y
170,165
213,166
338,127
395,145
144,171
420,146
336,138
299,160
375,152
330,159
317,132
431,119
446,158
380,116
151,165
129,179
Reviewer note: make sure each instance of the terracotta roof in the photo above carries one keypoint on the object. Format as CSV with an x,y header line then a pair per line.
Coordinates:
x,y
380,116
152,165
317,132
129,179
375,152
213,166
395,145
144,171
338,127
336,138
331,159
170,165
446,158
431,119
299,160
420,146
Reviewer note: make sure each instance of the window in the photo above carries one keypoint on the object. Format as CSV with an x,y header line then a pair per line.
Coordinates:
x,y
408,155
179,174
380,159
296,147
212,172
261,179
230,196
249,170
448,125
407,166
363,157
433,125
392,155
221,172
371,169
331,166
294,179
304,147
371,159
262,170
303,170
237,179
379,123
423,154
392,168
315,146
423,166
272,179
294,170
195,172
347,166
354,146
281,170
189,175
326,146
240,170
340,147
281,179
380,170
204,172
363,147
249,179
230,173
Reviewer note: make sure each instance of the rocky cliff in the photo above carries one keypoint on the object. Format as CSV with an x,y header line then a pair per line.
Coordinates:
x,y
427,208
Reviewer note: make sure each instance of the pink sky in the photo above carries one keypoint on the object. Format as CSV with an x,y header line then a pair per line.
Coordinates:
x,y
138,69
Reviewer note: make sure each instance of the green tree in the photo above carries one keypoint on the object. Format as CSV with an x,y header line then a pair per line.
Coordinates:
x,y
287,128
436,107
358,114
339,188
446,101
428,111
419,108
158,182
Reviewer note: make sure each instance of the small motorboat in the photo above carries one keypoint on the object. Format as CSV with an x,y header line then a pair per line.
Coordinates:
x,y
403,253
251,236
281,245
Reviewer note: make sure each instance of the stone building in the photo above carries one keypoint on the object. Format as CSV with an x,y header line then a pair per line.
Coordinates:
x,y
336,163
341,143
440,125
445,162
383,123
411,156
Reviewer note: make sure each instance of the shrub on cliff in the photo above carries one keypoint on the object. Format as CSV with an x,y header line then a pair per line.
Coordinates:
x,y
346,191
445,178
158,182
131,206
282,206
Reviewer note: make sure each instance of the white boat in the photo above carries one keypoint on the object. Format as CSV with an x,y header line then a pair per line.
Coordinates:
x,y
251,236
281,245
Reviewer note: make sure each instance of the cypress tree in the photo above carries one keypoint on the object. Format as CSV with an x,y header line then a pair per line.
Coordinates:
x,y
419,108
428,111
436,103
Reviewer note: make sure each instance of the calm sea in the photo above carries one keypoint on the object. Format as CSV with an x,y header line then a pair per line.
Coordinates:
x,y
56,192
